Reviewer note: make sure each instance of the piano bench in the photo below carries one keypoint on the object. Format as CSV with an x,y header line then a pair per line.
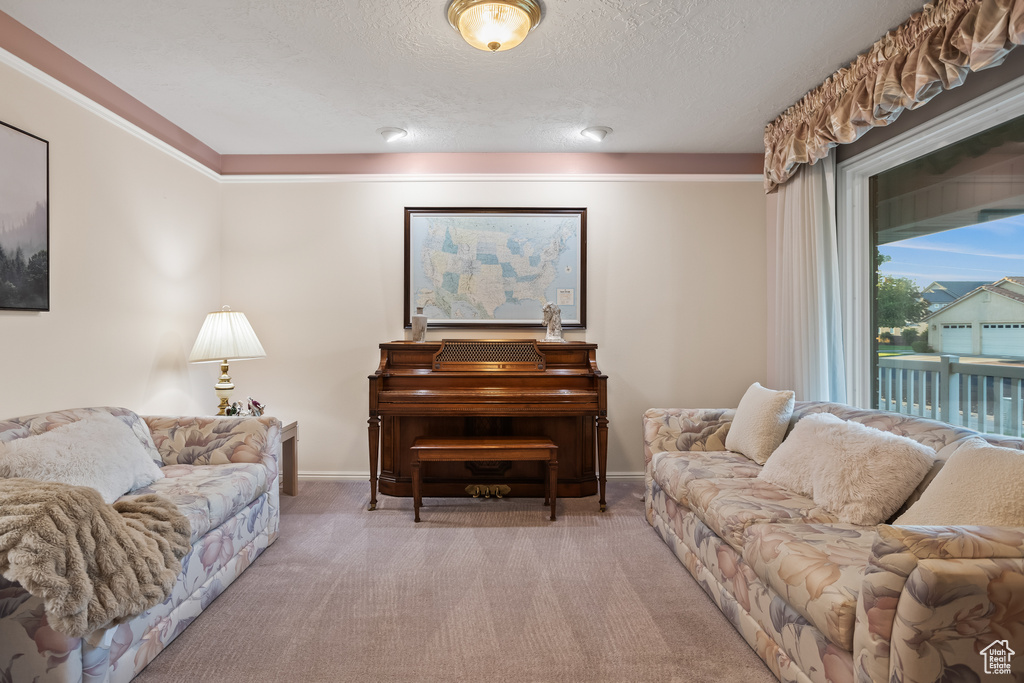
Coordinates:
x,y
477,448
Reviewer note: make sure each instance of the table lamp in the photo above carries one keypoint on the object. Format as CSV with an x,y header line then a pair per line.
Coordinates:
x,y
225,336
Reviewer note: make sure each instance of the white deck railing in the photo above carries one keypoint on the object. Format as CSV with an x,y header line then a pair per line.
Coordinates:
x,y
973,395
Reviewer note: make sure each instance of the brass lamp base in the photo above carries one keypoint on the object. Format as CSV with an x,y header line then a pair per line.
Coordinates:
x,y
223,389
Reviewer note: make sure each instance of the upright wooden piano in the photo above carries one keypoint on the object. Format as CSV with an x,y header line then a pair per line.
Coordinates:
x,y
475,387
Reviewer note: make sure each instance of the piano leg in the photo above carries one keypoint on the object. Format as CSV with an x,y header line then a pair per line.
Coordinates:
x,y
602,457
416,500
553,486
374,429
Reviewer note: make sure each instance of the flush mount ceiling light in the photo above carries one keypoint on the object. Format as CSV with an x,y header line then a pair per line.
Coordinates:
x,y
596,133
391,134
494,25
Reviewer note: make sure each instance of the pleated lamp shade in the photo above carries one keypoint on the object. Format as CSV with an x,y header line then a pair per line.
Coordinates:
x,y
225,336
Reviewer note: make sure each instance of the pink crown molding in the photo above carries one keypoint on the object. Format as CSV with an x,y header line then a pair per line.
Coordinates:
x,y
33,49
491,163
36,51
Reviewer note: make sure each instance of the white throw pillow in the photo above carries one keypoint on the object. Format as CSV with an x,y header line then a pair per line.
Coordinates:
x,y
762,418
863,475
98,451
793,463
980,484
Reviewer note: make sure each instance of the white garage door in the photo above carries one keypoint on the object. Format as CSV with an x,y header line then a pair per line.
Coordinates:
x,y
956,339
1002,339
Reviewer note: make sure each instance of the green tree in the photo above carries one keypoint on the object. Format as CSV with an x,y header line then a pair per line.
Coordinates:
x,y
899,301
8,294
37,279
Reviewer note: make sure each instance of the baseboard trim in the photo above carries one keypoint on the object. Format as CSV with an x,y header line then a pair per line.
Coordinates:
x,y
365,476
625,476
335,476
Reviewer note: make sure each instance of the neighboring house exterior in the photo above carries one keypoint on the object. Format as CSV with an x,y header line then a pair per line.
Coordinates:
x,y
942,293
988,320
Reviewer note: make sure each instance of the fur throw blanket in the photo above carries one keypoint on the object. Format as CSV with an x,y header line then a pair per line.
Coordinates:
x,y
95,565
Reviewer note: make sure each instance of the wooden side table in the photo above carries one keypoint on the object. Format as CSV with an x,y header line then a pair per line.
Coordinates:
x,y
484,448
289,456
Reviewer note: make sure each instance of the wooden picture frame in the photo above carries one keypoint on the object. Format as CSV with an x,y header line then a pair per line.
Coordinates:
x,y
24,221
495,267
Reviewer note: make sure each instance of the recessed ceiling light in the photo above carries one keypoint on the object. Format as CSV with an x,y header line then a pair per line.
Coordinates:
x,y
391,134
596,133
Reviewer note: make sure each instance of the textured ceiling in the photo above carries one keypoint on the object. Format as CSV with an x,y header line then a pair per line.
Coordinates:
x,y
320,76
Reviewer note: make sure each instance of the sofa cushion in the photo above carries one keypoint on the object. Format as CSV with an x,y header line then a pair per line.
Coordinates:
x,y
29,425
674,470
762,418
863,475
214,440
99,451
932,433
758,612
816,568
941,456
208,495
729,506
980,485
942,437
792,464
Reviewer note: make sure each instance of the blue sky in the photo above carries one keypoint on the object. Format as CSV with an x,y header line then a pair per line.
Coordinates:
x,y
987,251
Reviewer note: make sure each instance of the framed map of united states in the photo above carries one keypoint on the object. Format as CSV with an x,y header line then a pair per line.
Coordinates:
x,y
488,267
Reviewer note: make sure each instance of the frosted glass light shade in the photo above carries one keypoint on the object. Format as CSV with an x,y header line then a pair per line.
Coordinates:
x,y
226,335
494,25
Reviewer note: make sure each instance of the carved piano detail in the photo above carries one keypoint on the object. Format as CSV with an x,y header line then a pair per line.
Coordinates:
x,y
489,388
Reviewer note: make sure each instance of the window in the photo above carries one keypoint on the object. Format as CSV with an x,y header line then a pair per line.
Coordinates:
x,y
934,223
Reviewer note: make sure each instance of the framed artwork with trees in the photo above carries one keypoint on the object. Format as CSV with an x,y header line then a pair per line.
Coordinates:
x,y
24,221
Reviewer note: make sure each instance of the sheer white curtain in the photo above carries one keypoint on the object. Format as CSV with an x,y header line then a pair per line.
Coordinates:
x,y
808,317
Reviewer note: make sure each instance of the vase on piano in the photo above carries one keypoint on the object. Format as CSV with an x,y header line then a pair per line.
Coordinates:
x,y
419,325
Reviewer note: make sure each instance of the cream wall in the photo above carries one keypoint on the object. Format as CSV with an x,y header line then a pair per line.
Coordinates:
x,y
134,264
143,244
676,295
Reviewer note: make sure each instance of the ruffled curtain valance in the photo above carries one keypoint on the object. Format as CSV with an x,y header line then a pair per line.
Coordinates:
x,y
931,52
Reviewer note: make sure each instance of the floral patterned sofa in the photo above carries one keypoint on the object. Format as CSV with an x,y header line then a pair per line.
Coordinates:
x,y
223,474
823,601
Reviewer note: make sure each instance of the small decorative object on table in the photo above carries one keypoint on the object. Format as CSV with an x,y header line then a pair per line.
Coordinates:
x,y
419,325
553,320
253,408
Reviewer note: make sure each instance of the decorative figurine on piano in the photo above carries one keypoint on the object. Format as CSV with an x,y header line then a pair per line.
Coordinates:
x,y
419,325
553,320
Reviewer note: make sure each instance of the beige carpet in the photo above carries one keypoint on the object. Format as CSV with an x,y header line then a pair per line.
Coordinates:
x,y
481,590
